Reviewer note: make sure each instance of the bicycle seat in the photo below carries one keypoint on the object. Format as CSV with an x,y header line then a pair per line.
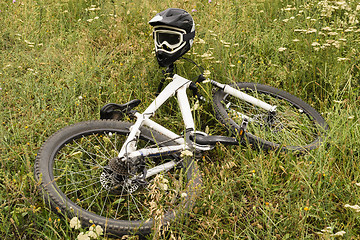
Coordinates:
x,y
118,111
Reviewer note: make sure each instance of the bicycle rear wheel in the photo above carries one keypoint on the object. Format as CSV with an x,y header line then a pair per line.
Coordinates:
x,y
72,167
296,126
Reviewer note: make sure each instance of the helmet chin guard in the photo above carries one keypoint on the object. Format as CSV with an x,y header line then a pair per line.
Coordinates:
x,y
174,31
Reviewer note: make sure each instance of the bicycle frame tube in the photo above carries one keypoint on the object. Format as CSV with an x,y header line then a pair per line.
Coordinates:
x,y
245,97
177,86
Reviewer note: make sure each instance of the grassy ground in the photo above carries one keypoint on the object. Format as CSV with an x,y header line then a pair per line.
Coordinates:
x,y
60,61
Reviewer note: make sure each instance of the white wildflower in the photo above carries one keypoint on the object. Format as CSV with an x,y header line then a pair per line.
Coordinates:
x,y
195,106
281,49
341,233
206,73
343,5
289,8
348,30
75,223
83,236
311,30
326,29
336,44
327,230
201,41
357,184
296,40
325,45
225,43
333,33
358,7
28,42
299,30
356,208
340,59
93,8
163,186
98,230
96,18
92,234
314,44
285,20
183,195
352,19
90,20
186,153
207,54
80,97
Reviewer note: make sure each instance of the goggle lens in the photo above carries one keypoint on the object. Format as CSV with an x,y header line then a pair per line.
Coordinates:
x,y
171,38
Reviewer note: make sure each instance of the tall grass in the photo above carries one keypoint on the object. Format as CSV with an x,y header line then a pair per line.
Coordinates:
x,y
61,61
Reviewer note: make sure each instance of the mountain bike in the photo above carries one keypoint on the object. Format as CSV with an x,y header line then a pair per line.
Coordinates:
x,y
127,176
138,177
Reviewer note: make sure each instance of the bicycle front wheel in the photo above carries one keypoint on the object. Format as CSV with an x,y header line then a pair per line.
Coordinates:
x,y
296,125
73,169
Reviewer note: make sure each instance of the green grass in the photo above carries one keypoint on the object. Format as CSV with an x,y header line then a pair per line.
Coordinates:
x,y
53,52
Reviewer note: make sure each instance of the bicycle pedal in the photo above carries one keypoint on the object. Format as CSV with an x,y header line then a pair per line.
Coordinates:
x,y
118,111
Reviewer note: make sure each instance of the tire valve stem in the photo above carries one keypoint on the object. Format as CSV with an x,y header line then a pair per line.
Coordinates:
x,y
243,128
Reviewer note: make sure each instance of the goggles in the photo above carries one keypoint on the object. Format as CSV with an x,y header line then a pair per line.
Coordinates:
x,y
169,39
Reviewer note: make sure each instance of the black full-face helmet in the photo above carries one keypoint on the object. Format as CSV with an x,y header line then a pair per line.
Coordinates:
x,y
174,32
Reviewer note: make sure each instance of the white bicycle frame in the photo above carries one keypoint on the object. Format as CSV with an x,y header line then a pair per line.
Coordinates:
x,y
177,86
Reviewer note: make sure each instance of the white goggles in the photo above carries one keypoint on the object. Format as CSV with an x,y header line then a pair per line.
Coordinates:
x,y
170,40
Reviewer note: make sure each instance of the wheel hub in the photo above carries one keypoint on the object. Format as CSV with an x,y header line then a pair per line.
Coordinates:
x,y
118,166
118,183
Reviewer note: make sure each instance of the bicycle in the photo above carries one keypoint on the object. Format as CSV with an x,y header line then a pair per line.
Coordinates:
x,y
129,177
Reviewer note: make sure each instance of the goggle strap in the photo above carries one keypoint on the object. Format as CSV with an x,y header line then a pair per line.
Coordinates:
x,y
189,36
